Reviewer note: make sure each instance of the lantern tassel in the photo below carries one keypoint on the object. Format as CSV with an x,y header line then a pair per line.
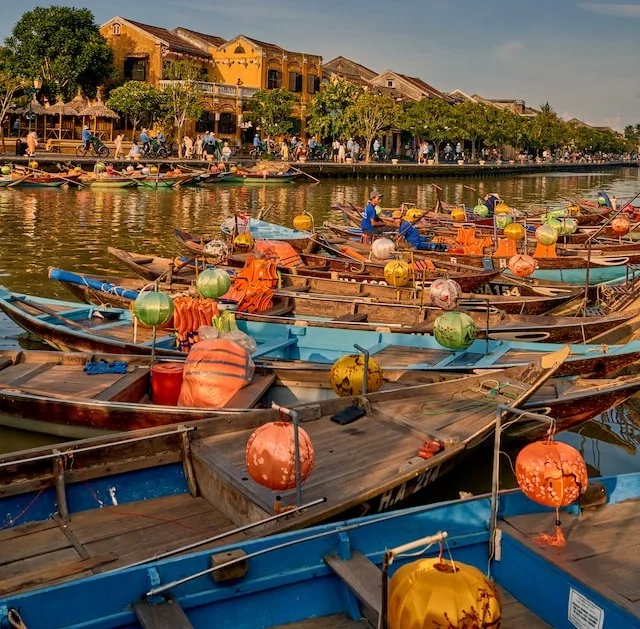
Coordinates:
x,y
557,539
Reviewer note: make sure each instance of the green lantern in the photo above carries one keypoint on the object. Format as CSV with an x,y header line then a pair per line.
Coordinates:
x,y
555,223
481,210
213,283
100,167
6,170
569,226
455,330
546,235
153,308
502,220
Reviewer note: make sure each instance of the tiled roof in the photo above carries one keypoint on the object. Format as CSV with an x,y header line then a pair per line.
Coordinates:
x,y
350,68
425,87
212,40
175,42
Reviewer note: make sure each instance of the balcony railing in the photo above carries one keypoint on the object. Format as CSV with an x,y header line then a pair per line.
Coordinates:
x,y
219,89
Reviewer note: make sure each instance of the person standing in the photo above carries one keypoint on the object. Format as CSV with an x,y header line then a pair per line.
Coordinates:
x,y
341,154
32,142
376,148
355,151
226,152
199,147
144,140
350,147
118,144
335,147
284,150
16,127
188,147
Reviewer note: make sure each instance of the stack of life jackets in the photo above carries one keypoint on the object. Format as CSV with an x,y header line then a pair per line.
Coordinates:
x,y
282,253
189,314
253,287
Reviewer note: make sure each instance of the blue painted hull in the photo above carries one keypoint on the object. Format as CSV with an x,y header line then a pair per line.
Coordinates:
x,y
597,275
288,579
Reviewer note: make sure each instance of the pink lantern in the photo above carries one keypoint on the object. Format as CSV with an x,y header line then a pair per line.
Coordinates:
x,y
522,265
445,294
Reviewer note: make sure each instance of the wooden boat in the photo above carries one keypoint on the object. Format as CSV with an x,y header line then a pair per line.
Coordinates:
x,y
470,279
258,177
42,181
70,326
365,313
113,291
50,392
111,182
335,576
5,180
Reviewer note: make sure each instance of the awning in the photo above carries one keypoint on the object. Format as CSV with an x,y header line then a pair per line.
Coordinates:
x,y
137,55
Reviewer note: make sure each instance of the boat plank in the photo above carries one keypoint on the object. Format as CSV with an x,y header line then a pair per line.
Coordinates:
x,y
338,621
33,544
16,532
36,563
249,396
167,615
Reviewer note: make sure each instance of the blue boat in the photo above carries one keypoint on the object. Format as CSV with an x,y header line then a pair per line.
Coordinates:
x,y
70,326
337,575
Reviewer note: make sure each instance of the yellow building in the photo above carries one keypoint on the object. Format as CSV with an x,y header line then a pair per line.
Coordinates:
x,y
232,71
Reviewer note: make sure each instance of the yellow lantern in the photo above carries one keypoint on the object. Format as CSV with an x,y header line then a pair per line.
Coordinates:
x,y
514,231
347,375
502,208
33,164
413,213
458,215
440,593
302,222
244,242
396,273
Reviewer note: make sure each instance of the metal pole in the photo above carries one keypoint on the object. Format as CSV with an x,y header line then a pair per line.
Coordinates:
x,y
495,481
365,370
296,445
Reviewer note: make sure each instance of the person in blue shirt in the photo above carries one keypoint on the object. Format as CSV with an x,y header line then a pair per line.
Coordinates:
x,y
144,140
256,141
160,137
370,223
411,234
86,137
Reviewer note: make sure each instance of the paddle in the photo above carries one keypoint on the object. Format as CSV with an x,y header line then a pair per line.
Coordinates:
x,y
264,212
301,172
17,181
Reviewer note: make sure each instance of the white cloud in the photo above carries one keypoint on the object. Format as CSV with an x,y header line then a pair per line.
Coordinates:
x,y
510,50
616,10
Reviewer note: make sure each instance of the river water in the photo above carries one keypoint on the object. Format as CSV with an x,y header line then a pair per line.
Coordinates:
x,y
72,228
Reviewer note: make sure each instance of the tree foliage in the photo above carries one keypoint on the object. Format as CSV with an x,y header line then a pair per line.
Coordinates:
x,y
326,113
430,119
139,101
63,46
271,110
10,83
632,133
181,97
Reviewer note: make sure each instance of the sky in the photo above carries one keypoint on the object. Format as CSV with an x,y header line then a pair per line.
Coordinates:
x,y
581,57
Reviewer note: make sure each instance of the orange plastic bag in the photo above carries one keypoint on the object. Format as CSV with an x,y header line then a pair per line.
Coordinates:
x,y
215,370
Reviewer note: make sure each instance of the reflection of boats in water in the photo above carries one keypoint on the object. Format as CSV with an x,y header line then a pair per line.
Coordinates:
x,y
618,427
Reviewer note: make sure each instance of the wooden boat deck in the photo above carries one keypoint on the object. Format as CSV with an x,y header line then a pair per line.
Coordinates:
x,y
99,540
602,551
514,616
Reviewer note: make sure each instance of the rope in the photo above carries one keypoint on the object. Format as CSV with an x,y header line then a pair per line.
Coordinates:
x,y
15,620
12,521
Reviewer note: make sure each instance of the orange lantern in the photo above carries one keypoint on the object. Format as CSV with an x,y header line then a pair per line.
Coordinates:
x,y
553,474
514,231
522,265
621,225
271,459
458,215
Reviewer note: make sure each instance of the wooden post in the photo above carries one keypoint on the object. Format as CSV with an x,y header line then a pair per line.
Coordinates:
x,y
61,496
187,464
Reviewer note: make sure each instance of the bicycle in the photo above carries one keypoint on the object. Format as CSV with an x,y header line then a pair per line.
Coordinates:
x,y
154,149
96,148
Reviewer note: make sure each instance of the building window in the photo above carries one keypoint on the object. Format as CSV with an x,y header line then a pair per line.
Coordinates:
x,y
239,51
295,82
313,84
115,29
227,124
389,83
205,122
274,79
135,69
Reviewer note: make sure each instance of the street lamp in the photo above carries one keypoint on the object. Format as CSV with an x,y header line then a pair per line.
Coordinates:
x,y
31,92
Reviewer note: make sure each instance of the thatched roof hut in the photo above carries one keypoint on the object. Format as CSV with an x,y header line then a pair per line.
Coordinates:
x,y
103,118
62,109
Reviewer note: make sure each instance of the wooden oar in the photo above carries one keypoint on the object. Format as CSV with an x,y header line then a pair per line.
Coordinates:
x,y
17,181
70,181
301,172
264,212
138,181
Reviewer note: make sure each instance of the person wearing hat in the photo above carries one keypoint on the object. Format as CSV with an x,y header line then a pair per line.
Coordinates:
x,y
86,137
371,223
144,140
411,234
490,201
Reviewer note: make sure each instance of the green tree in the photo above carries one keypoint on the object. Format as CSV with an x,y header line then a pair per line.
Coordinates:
x,y
430,119
632,132
326,113
272,110
471,122
370,114
181,96
139,101
64,47
10,83
547,130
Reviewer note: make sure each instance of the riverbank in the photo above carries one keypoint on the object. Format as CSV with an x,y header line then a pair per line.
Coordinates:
x,y
360,170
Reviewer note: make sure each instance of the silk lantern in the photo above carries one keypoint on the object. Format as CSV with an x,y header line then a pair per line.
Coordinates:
x,y
553,474
396,273
555,223
503,220
271,459
445,294
569,226
413,213
458,215
514,231
5,170
302,222
502,208
100,167
216,251
481,210
383,248
546,235
213,283
153,308
522,265
244,242
620,225
440,593
347,375
455,330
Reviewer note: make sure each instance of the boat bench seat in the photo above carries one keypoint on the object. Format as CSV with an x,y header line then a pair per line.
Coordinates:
x,y
166,615
267,348
346,318
250,395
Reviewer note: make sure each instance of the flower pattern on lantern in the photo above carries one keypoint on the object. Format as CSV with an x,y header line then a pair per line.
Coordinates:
x,y
271,459
620,225
347,375
546,235
445,294
502,208
216,251
382,248
396,273
522,265
569,226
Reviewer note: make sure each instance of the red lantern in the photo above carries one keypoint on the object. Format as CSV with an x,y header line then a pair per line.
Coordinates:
x,y
271,458
621,225
522,265
553,474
